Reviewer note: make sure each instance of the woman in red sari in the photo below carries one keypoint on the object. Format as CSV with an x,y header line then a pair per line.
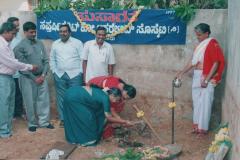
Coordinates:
x,y
128,92
208,63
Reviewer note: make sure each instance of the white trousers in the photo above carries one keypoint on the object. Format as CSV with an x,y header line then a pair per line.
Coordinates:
x,y
202,101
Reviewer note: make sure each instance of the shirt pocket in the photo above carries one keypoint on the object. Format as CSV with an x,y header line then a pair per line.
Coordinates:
x,y
102,58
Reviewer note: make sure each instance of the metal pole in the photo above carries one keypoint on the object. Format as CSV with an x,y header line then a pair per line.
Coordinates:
x,y
173,113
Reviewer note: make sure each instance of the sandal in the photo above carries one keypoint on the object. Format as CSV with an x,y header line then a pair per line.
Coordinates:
x,y
194,131
202,134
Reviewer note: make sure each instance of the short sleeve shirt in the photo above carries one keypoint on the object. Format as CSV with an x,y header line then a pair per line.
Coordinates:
x,y
98,58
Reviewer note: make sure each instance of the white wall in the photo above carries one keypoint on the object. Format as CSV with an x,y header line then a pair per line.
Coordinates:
x,y
13,5
231,103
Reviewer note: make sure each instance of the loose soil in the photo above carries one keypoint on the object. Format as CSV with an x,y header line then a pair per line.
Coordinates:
x,y
24,145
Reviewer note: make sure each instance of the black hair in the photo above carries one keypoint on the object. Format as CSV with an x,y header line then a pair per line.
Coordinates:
x,y
131,91
121,81
101,28
12,19
115,92
203,28
7,27
29,25
66,25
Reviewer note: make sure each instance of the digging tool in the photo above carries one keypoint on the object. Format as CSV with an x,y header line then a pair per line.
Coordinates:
x,y
150,126
147,122
171,149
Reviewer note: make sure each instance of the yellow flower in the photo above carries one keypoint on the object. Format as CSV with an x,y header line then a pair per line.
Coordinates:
x,y
219,137
223,131
140,114
171,105
213,148
214,142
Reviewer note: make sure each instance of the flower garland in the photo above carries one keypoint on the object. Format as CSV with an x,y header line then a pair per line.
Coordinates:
x,y
115,33
221,137
172,105
140,114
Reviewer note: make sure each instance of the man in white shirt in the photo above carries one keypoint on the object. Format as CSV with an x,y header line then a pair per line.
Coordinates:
x,y
18,110
98,56
66,65
8,66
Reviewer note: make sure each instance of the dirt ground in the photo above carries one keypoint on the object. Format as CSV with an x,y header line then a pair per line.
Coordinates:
x,y
24,145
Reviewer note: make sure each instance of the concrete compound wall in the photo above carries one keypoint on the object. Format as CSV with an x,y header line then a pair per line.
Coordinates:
x,y
231,100
151,68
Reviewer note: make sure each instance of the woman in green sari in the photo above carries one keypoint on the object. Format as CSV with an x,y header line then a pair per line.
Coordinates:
x,y
86,111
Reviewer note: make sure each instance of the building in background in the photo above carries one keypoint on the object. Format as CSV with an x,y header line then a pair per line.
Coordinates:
x,y
18,5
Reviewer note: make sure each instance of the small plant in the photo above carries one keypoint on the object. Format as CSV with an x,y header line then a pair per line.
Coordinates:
x,y
185,11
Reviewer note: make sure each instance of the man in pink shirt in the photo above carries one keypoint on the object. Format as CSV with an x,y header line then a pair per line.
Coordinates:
x,y
8,66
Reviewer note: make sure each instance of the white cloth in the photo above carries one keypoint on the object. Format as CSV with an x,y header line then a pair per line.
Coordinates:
x,y
54,154
98,59
16,40
66,57
13,44
202,101
199,51
8,64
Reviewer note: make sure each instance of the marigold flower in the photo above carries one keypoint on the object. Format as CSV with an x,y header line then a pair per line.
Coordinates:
x,y
171,105
132,19
140,114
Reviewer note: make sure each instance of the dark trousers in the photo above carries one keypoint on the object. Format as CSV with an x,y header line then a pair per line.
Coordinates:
x,y
62,84
18,110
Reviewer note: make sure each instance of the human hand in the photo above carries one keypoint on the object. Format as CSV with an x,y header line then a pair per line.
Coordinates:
x,y
178,75
128,123
204,84
35,67
39,80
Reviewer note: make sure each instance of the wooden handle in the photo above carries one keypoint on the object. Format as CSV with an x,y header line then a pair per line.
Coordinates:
x,y
148,123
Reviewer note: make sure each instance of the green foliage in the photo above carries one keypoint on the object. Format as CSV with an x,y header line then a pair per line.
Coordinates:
x,y
41,8
219,4
161,4
184,8
185,11
102,4
116,4
130,154
48,5
80,4
210,4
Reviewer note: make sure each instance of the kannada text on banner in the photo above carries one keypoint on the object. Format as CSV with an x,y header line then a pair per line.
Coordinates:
x,y
151,26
